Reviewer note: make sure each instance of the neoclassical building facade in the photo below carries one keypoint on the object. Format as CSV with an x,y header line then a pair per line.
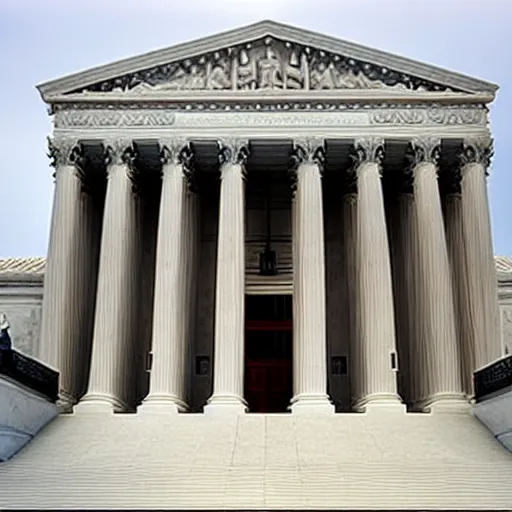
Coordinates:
x,y
268,220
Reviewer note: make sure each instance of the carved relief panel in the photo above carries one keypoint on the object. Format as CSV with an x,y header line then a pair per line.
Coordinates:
x,y
264,64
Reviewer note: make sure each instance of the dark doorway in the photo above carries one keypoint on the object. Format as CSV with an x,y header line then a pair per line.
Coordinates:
x,y
268,352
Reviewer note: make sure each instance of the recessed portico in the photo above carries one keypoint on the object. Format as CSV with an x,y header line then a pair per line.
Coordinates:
x,y
290,164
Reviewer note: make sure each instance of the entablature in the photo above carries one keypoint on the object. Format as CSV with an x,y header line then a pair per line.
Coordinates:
x,y
276,119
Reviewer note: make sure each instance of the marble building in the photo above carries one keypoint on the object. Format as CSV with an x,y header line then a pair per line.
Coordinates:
x,y
271,220
390,159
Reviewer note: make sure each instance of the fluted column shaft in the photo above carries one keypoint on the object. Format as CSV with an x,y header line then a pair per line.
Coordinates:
x,y
228,378
193,247
310,340
63,344
349,226
172,277
464,314
376,384
482,280
440,369
403,241
111,374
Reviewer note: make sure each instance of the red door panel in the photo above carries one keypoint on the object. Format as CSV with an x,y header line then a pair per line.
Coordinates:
x,y
268,372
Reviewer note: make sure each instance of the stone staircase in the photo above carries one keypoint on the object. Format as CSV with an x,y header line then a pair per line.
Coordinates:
x,y
380,460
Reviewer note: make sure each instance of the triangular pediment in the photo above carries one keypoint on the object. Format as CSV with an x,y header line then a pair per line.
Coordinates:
x,y
267,56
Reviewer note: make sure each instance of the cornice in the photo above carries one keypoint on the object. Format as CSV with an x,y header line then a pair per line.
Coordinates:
x,y
49,90
370,97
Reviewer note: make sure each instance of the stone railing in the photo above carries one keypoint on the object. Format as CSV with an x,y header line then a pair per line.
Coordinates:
x,y
493,378
29,373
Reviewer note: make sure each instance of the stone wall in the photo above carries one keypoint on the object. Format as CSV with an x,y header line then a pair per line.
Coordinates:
x,y
505,301
21,297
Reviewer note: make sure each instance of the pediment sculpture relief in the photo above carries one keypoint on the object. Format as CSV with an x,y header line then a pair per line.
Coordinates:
x,y
263,65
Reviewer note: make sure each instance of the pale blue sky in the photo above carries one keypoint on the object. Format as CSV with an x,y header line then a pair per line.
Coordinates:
x,y
46,39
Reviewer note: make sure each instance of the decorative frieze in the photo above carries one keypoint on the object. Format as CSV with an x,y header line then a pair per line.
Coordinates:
x,y
319,113
264,64
452,115
110,118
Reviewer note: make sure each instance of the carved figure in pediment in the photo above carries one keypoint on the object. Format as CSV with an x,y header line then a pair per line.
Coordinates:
x,y
182,79
351,80
247,72
196,78
295,71
270,71
144,87
322,76
218,74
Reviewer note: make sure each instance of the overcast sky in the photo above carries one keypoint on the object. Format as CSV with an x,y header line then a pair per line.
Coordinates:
x,y
46,39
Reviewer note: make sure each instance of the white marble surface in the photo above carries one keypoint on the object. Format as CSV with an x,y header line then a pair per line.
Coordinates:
x,y
23,414
373,461
496,414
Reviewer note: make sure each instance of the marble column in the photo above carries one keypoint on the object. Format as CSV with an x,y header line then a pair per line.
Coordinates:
x,y
228,377
481,278
193,248
172,279
464,316
374,381
309,329
111,375
349,233
63,345
401,231
436,347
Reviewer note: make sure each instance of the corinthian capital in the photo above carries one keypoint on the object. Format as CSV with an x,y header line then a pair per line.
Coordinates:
x,y
367,150
179,152
176,151
423,150
309,150
64,151
120,151
476,151
233,151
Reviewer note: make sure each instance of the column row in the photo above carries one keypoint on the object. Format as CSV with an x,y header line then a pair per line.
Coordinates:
x,y
432,330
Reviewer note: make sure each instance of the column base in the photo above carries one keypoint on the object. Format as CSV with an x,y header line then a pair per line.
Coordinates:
x,y
225,405
65,402
162,404
378,403
311,404
444,402
101,404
